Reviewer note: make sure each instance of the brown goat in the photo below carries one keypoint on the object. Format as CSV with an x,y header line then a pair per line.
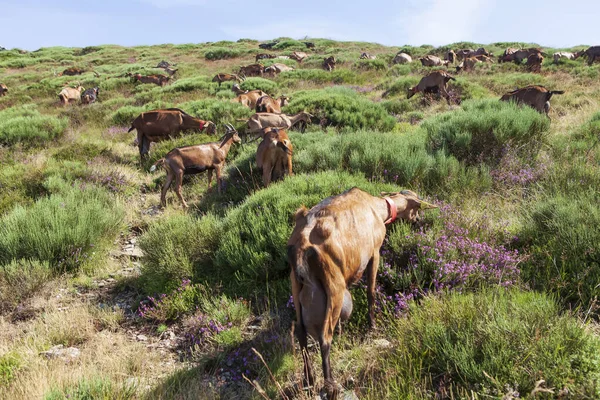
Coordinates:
x,y
274,155
534,62
467,64
436,79
227,77
329,63
263,56
158,125
250,98
451,56
159,80
277,68
332,245
267,104
432,61
190,160
518,55
3,89
298,56
69,94
535,96
72,71
252,70
260,121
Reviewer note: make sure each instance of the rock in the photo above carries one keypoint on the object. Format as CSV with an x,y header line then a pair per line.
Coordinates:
x,y
59,351
141,338
382,343
132,251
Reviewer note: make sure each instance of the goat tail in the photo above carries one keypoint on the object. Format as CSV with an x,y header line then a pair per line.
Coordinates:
x,y
157,164
557,91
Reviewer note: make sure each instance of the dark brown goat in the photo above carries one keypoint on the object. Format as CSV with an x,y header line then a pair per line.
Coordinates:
x,y
227,77
159,80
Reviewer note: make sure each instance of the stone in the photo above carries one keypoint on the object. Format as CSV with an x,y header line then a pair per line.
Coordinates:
x,y
59,351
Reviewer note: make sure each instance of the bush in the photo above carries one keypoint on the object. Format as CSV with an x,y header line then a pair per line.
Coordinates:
x,y
342,107
65,230
19,280
489,344
191,84
265,85
26,125
401,86
319,77
221,53
481,129
562,233
371,65
173,247
219,112
95,388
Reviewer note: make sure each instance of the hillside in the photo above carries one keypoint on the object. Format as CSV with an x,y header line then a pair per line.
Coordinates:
x,y
106,295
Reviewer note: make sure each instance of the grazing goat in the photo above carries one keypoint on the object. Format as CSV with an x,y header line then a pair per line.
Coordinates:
x,y
563,54
309,45
534,62
157,125
69,94
267,46
332,245
3,89
278,68
437,80
238,90
592,54
90,95
329,63
432,61
262,56
367,56
190,160
298,56
467,64
267,104
535,96
250,98
164,64
518,55
451,56
402,58
227,77
260,121
72,71
159,80
252,70
274,155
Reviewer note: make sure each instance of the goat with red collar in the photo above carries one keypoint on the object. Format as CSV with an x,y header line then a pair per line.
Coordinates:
x,y
332,245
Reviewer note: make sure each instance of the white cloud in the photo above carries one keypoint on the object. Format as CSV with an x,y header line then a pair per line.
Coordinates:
x,y
443,21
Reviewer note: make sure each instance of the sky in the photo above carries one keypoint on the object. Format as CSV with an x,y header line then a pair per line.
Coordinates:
x,y
31,24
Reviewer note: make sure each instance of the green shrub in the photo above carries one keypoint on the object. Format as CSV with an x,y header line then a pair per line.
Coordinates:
x,y
190,84
219,112
265,85
66,230
95,388
562,233
371,65
289,44
401,86
319,77
10,363
26,125
173,247
488,345
19,280
342,107
481,129
221,53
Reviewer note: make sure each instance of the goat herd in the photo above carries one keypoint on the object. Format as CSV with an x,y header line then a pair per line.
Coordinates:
x,y
338,240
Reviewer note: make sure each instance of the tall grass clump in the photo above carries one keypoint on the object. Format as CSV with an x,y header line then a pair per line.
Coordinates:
x,y
342,107
562,233
94,388
255,83
174,247
221,53
65,229
318,76
219,112
27,125
482,128
496,344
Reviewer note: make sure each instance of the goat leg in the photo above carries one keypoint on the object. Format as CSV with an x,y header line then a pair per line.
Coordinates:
x,y
371,280
178,183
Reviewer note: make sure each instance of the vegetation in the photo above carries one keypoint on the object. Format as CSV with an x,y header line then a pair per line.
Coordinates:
x,y
491,294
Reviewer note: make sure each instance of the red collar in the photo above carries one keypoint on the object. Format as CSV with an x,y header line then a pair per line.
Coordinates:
x,y
393,209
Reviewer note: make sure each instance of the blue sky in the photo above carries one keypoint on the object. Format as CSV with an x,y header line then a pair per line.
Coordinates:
x,y
31,24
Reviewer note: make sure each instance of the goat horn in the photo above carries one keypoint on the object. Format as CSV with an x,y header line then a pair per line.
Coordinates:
x,y
426,206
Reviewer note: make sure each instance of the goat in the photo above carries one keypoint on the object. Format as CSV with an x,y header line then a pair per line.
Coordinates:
x,y
309,45
277,68
3,89
402,58
267,104
90,95
367,56
534,62
436,79
518,55
260,121
451,56
332,245
250,98
274,155
227,77
329,63
193,160
159,80
267,46
164,64
535,96
252,70
69,94
262,56
72,71
467,64
158,125
298,56
592,53
238,90
432,61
